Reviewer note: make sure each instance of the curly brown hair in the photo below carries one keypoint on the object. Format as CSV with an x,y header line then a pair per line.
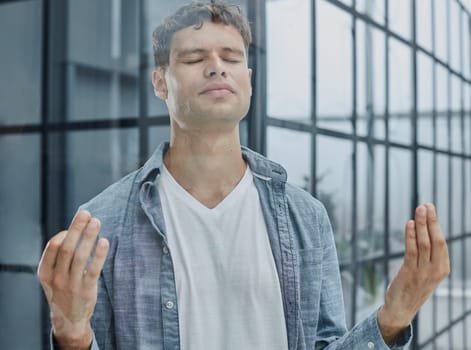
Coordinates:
x,y
195,14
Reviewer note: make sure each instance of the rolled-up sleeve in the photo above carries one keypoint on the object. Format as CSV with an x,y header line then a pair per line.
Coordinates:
x,y
53,345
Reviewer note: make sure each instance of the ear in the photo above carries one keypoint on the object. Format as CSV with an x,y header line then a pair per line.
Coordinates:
x,y
159,83
250,80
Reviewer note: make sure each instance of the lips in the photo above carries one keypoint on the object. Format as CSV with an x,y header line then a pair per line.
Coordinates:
x,y
217,89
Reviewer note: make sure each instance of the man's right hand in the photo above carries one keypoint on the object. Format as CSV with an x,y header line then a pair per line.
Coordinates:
x,y
70,283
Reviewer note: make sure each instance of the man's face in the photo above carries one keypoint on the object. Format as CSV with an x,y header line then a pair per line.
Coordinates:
x,y
207,81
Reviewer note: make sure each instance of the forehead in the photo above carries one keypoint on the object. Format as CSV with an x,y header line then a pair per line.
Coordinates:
x,y
211,36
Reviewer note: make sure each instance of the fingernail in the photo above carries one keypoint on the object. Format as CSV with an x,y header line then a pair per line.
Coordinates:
x,y
103,243
83,215
430,206
94,223
421,211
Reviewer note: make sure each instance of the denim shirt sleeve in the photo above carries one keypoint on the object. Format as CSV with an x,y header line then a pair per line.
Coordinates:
x,y
102,323
54,347
321,286
366,335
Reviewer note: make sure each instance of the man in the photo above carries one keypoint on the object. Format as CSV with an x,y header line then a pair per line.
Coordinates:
x,y
206,246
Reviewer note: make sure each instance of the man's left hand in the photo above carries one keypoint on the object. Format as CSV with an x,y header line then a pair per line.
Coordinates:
x,y
426,264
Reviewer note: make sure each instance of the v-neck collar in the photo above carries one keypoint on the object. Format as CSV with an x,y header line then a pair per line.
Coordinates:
x,y
226,202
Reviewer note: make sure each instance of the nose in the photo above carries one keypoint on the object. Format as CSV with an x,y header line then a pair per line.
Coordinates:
x,y
215,68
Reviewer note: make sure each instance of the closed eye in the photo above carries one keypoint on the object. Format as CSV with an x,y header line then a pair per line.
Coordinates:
x,y
193,61
231,60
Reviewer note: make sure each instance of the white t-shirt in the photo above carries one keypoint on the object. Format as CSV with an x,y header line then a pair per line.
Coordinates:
x,y
228,291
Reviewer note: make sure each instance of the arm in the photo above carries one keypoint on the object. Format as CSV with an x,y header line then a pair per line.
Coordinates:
x,y
426,264
331,331
70,285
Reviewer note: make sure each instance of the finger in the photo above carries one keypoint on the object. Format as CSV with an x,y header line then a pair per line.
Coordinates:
x,y
67,250
423,238
433,224
439,248
93,271
49,256
83,251
410,256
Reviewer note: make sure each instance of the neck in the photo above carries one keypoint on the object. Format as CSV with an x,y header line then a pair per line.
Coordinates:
x,y
207,166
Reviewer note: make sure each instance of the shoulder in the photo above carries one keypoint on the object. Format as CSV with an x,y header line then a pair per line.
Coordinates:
x,y
124,193
112,198
309,220
112,204
303,202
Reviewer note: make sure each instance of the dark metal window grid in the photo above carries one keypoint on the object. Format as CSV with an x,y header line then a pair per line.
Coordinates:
x,y
257,138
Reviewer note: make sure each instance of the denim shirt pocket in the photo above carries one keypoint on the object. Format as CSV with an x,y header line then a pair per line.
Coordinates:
x,y
310,281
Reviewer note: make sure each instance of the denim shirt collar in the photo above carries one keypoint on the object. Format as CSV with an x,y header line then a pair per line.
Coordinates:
x,y
261,167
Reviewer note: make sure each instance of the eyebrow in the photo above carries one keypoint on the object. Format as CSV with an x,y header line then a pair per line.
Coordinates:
x,y
188,52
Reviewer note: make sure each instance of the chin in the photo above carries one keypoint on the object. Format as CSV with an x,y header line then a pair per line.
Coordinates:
x,y
222,113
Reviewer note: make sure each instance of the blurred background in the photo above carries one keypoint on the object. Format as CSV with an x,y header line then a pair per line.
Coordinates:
x,y
367,104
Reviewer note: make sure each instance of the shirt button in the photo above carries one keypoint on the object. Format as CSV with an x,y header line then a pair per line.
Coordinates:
x,y
165,250
371,345
169,304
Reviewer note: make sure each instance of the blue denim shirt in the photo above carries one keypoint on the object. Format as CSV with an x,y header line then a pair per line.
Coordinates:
x,y
137,302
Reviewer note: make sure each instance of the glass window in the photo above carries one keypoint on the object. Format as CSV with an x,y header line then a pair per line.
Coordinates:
x,y
372,8
425,99
467,242
441,30
424,23
400,92
100,94
157,135
426,320
457,190
465,44
425,176
292,149
347,2
400,18
443,308
95,159
442,192
443,341
370,294
400,196
20,71
457,330
456,127
455,44
102,70
370,199
334,67
467,119
20,186
442,107
289,66
468,199
334,188
456,279
244,133
20,297
371,81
